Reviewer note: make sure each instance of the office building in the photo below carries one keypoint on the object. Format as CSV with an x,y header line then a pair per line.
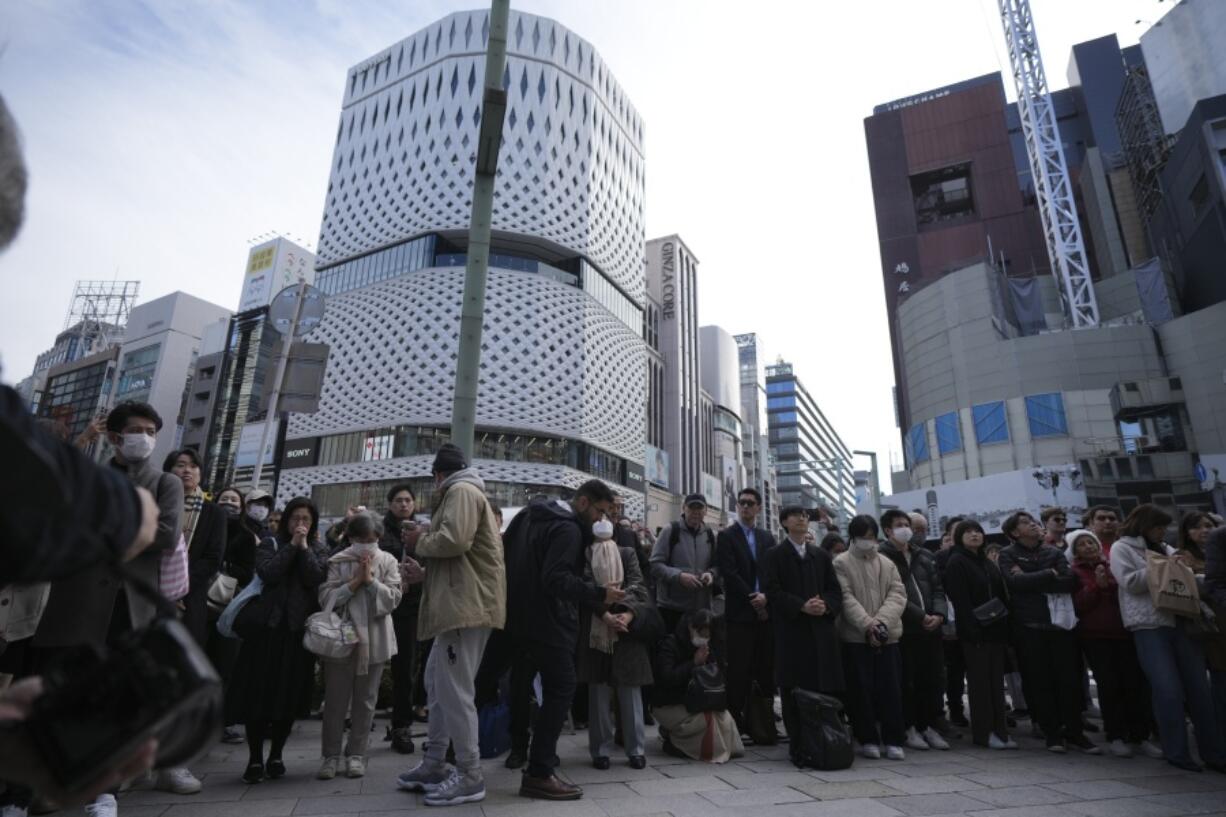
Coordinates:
x,y
158,357
78,390
755,442
564,376
813,464
1185,60
272,266
721,380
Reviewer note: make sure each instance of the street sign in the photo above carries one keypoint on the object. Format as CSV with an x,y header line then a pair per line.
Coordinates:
x,y
281,310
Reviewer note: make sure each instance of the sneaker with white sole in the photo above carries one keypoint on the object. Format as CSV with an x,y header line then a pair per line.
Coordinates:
x,y
459,788
895,753
914,741
355,766
871,750
178,781
103,806
425,776
327,769
1118,748
1149,749
13,811
934,739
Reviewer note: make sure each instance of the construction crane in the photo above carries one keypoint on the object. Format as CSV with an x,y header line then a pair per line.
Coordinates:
x,y
1053,190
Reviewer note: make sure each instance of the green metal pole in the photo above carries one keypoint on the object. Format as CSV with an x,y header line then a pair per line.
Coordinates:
x,y
472,314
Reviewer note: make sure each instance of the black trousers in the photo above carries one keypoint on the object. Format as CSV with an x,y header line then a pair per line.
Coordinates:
x,y
671,619
751,658
500,657
1051,678
874,692
922,659
404,667
955,675
985,676
556,666
1123,691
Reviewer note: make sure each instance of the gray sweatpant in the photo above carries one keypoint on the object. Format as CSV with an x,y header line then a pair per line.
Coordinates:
x,y
600,732
450,673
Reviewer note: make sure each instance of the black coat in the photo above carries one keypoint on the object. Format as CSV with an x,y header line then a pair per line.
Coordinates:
x,y
740,570
204,554
239,558
410,600
1215,570
674,665
971,580
631,661
807,650
543,549
1028,589
925,592
291,578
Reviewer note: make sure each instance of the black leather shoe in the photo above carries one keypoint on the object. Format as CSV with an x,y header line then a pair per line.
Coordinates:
x,y
254,773
275,769
600,763
516,760
402,740
638,762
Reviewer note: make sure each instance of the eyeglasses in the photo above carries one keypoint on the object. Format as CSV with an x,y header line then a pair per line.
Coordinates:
x,y
746,503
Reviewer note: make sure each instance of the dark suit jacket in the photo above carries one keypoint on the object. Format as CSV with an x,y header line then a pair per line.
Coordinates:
x,y
807,650
739,570
204,554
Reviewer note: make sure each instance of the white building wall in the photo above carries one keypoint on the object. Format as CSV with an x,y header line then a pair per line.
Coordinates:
x,y
1185,53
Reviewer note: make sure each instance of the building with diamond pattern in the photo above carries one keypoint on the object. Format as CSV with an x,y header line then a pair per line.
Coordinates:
x,y
563,378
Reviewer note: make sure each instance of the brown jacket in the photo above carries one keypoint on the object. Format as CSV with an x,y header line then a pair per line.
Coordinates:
x,y
465,584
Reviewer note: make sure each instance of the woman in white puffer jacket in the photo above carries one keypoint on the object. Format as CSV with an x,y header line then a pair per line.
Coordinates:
x,y
1173,663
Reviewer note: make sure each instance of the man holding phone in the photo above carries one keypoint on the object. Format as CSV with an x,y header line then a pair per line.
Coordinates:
x,y
683,564
400,532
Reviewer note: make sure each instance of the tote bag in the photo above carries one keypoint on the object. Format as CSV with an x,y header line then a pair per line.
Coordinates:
x,y
1172,586
173,581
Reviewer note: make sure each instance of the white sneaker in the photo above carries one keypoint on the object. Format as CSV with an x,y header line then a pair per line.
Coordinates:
x,y
995,742
104,806
934,739
895,753
425,777
914,741
178,781
13,811
1149,750
1119,749
327,769
355,766
871,750
1010,743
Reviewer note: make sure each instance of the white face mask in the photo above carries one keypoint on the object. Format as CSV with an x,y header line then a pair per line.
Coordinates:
x,y
699,641
901,535
365,547
603,529
258,512
137,447
863,545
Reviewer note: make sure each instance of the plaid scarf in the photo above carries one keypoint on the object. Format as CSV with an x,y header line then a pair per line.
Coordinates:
x,y
192,503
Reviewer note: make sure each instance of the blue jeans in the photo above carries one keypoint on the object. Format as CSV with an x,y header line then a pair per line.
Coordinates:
x,y
1177,676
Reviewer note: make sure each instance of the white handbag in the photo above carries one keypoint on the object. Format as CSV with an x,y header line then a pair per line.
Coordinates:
x,y
1060,608
329,635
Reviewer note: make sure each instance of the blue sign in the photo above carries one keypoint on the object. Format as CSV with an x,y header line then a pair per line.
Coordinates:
x,y
1200,472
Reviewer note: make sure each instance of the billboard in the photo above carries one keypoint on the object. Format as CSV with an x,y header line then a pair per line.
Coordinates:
x,y
300,453
712,490
731,467
990,500
249,445
657,466
271,267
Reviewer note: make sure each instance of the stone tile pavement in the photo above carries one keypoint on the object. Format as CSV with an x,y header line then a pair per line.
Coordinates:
x,y
964,781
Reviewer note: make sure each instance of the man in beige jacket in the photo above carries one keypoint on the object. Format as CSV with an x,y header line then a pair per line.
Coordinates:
x,y
463,598
873,603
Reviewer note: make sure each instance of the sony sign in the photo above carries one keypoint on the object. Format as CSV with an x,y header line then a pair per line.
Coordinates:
x,y
668,265
300,453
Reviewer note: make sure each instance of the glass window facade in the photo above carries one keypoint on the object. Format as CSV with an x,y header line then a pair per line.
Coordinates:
x,y
378,266
991,424
136,371
917,438
949,437
1045,413
334,500
72,398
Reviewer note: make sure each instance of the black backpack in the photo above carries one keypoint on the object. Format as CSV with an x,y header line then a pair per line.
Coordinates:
x,y
824,741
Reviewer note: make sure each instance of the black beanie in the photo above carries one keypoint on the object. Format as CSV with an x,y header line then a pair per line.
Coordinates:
x,y
448,460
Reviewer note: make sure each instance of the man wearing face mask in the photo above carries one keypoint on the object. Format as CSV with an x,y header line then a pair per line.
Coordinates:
x,y
545,546
919,530
926,611
259,513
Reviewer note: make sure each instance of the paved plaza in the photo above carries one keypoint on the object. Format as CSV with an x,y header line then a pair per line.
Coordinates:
x,y
966,780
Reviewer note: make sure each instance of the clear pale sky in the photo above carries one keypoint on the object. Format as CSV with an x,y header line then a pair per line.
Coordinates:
x,y
162,136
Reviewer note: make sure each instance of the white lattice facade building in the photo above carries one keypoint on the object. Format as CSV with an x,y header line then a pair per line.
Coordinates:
x,y
563,384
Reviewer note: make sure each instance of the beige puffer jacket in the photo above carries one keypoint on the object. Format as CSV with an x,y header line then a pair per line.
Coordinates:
x,y
466,578
872,589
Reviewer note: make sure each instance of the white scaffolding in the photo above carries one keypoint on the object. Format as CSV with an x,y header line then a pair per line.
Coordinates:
x,y
1057,208
99,308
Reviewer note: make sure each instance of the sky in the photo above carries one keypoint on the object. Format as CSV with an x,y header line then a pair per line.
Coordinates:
x,y
161,137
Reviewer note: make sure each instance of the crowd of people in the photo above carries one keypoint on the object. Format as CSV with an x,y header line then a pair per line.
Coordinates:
x,y
618,629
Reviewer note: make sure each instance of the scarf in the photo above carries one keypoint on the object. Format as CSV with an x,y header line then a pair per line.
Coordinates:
x,y
192,503
606,562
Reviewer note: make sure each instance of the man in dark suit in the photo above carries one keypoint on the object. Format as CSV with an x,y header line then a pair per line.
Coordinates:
x,y
741,550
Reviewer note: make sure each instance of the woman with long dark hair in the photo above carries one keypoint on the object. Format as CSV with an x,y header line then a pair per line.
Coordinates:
x,y
238,561
274,675
972,581
1173,662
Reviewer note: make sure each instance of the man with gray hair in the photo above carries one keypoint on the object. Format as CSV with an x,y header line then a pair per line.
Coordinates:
x,y
919,529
